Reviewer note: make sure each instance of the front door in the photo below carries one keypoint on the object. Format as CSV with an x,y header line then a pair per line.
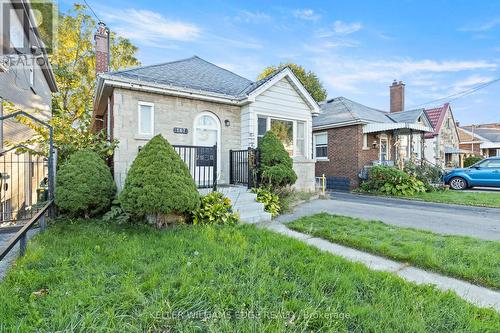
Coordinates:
x,y
206,134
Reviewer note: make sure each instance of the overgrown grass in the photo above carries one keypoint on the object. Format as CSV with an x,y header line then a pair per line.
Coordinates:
x,y
467,258
288,199
461,198
213,279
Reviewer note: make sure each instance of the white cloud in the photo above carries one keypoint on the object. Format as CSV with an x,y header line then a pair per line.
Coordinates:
x,y
339,28
149,26
252,17
486,26
346,74
306,14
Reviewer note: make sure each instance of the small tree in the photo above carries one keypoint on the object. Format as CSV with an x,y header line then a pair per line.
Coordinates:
x,y
85,185
276,166
471,160
159,185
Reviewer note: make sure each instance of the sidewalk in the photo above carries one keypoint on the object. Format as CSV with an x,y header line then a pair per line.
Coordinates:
x,y
480,296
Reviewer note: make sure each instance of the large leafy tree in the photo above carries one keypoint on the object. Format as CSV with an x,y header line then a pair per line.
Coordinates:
x,y
73,63
308,78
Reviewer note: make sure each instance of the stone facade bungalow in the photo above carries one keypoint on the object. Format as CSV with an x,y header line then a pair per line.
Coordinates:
x,y
442,145
194,102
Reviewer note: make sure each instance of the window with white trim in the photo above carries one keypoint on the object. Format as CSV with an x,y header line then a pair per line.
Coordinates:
x,y
146,118
301,139
321,146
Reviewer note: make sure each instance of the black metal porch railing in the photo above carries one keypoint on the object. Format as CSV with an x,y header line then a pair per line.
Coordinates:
x,y
22,235
243,167
201,162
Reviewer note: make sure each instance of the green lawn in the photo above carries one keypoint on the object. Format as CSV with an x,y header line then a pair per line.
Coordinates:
x,y
102,278
461,198
467,258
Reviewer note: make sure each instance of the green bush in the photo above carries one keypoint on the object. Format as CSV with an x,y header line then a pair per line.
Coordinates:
x,y
471,160
392,181
159,185
427,174
276,166
215,209
116,214
85,186
270,200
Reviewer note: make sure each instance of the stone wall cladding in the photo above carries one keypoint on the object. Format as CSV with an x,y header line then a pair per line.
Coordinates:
x,y
305,175
169,112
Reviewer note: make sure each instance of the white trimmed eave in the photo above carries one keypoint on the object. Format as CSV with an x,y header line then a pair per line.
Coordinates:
x,y
287,72
490,144
381,127
106,82
336,125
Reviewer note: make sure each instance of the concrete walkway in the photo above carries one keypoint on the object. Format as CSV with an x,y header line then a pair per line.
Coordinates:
x,y
479,296
479,222
6,262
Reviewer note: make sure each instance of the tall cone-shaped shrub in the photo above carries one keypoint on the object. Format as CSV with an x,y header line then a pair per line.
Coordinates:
x,y
276,166
159,185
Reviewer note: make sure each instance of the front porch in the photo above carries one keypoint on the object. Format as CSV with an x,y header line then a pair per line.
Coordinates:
x,y
397,143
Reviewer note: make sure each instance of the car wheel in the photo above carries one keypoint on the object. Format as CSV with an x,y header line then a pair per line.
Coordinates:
x,y
458,183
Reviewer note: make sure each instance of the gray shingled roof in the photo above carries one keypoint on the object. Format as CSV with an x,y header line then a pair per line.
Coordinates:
x,y
490,134
340,110
194,74
409,116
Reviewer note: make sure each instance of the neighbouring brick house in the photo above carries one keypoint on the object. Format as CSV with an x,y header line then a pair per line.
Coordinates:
x,y
350,137
442,145
480,140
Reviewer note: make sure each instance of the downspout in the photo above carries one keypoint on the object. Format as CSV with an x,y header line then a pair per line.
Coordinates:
x,y
108,122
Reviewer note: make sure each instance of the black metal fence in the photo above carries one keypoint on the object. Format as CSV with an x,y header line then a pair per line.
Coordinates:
x,y
23,186
243,167
201,162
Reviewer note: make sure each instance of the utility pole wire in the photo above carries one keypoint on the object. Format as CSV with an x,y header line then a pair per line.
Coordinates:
x,y
462,93
92,10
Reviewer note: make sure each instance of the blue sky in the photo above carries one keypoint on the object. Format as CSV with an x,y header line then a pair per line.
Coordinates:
x,y
357,48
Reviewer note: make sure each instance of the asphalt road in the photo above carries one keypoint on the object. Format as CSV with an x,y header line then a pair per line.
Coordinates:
x,y
478,222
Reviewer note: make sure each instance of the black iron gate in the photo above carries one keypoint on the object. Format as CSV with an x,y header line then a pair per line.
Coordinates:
x,y
201,162
243,167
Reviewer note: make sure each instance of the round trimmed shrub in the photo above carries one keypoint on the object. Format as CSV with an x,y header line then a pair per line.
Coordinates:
x,y
85,186
276,166
159,185
471,160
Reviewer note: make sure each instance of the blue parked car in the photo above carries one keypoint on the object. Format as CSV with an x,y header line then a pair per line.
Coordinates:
x,y
483,173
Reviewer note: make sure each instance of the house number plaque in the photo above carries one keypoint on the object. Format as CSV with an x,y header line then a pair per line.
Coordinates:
x,y
180,130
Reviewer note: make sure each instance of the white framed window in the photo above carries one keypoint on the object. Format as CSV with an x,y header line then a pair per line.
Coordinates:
x,y
146,118
292,133
365,141
321,146
383,148
301,139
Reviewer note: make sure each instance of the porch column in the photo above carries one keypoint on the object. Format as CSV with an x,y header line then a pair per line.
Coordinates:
x,y
411,145
422,148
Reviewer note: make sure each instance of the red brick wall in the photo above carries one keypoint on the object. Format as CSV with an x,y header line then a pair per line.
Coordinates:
x,y
346,154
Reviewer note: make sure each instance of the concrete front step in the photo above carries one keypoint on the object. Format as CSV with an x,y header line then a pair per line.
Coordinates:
x,y
243,202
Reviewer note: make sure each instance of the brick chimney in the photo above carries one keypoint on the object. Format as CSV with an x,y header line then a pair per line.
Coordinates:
x,y
101,38
397,90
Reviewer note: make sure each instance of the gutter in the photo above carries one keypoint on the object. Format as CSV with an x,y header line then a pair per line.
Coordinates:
x,y
171,91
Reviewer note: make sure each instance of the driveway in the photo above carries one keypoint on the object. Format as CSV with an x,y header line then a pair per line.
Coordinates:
x,y
478,222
